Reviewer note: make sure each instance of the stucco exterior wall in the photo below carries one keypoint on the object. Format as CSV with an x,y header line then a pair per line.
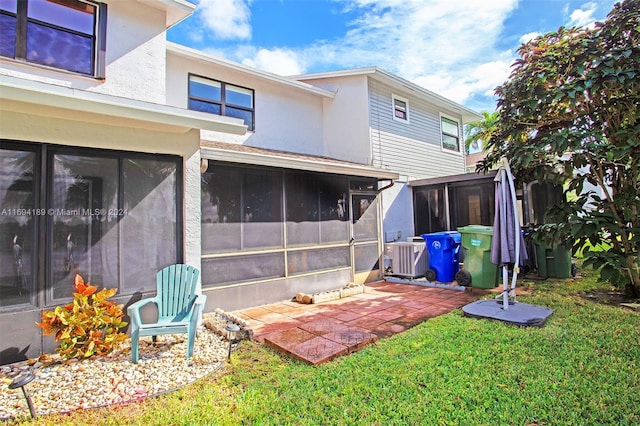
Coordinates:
x,y
286,119
346,119
192,210
52,129
472,159
135,57
136,49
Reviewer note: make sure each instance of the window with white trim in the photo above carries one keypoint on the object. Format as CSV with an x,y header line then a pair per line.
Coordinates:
x,y
450,134
400,108
63,34
217,97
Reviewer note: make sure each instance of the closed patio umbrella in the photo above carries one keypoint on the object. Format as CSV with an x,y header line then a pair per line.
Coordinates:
x,y
508,249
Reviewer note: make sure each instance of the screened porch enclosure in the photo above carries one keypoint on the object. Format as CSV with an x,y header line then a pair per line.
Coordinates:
x,y
443,204
266,225
95,210
112,217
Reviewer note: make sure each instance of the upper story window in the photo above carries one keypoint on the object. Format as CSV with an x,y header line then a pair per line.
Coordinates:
x,y
450,134
400,108
64,34
217,97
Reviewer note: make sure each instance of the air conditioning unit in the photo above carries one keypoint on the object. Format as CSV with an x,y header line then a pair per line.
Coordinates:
x,y
409,259
415,239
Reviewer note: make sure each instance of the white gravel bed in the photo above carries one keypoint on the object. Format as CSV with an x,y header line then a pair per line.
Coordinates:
x,y
113,379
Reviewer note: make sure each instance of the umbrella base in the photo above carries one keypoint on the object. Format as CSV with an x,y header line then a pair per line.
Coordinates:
x,y
518,313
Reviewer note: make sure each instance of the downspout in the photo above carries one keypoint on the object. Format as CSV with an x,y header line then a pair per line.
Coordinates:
x,y
391,183
446,206
381,238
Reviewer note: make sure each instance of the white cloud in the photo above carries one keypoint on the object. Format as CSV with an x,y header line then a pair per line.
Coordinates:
x,y
277,61
490,75
227,19
583,17
447,46
525,38
459,87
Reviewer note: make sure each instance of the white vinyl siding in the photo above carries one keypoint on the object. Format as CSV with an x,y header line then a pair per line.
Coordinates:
x,y
411,149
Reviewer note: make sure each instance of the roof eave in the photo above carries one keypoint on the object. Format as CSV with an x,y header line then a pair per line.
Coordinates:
x,y
382,75
467,114
190,53
138,113
176,10
454,179
285,162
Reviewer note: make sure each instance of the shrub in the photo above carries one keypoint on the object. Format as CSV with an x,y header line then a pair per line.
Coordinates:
x,y
88,326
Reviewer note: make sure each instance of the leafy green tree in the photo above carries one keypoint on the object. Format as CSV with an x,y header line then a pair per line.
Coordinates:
x,y
570,113
478,133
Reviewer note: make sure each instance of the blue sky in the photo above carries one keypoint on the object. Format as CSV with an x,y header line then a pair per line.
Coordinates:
x,y
461,49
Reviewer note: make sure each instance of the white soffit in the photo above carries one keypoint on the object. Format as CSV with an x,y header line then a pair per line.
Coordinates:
x,y
176,10
136,113
293,161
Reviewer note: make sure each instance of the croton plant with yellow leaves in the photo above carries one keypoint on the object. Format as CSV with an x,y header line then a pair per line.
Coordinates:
x,y
88,326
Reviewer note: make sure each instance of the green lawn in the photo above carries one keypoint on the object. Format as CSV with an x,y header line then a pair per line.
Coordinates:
x,y
581,368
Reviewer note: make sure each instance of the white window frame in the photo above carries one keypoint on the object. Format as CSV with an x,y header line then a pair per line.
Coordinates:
x,y
395,98
442,133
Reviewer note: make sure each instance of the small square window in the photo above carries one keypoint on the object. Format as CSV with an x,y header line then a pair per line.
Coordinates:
x,y
400,109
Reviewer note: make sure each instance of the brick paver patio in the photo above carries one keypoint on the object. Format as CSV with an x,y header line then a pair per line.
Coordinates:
x,y
321,332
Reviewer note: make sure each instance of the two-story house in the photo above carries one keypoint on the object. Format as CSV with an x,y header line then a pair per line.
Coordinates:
x,y
121,153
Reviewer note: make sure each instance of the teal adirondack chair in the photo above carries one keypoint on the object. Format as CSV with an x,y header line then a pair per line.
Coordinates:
x,y
179,307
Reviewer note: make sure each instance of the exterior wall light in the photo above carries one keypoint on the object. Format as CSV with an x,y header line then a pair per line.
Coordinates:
x,y
204,165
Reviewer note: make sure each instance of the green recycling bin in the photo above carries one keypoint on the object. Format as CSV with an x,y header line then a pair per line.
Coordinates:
x,y
553,261
476,241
